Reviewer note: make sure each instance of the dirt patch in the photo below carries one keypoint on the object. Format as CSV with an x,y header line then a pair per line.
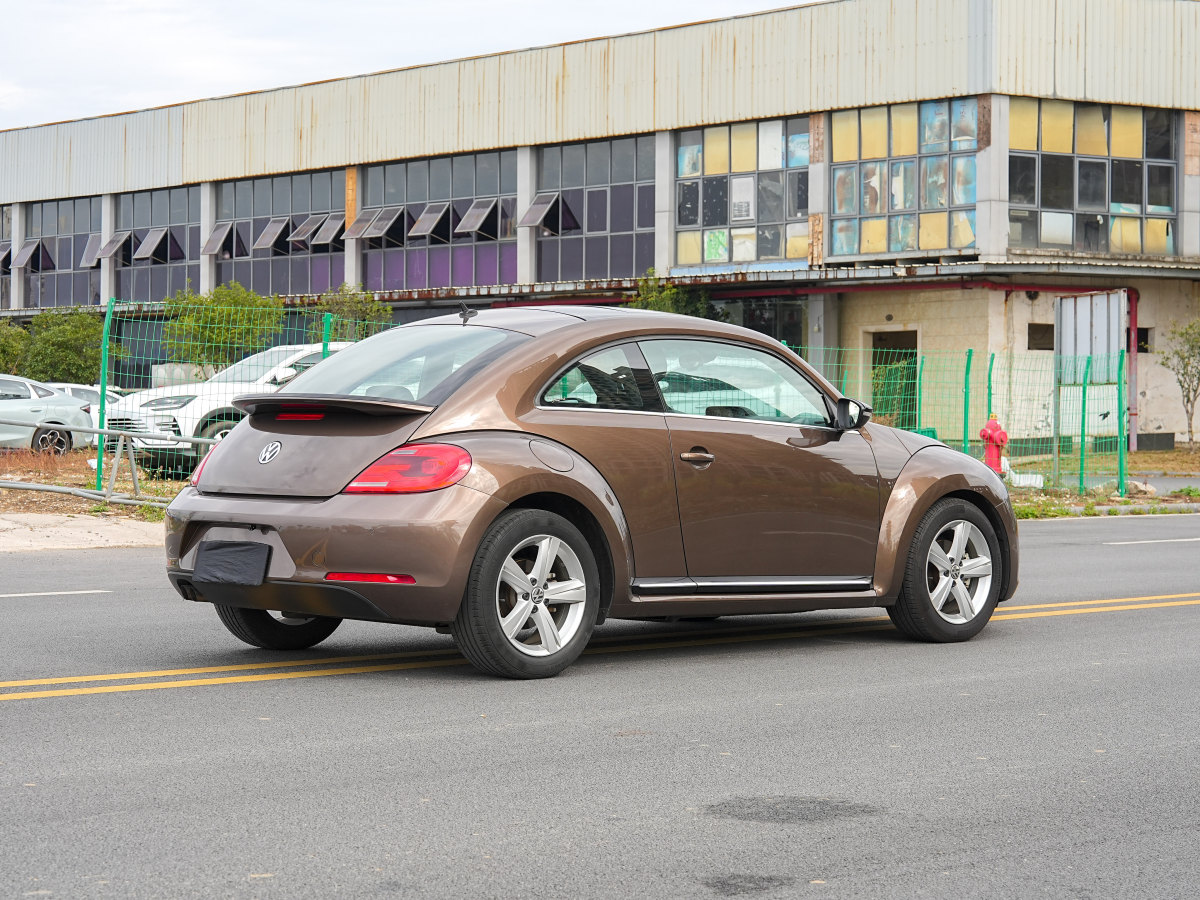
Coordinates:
x,y
1180,461
74,470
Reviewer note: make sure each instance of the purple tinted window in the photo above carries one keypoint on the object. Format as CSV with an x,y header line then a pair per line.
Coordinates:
x,y
643,252
485,263
299,281
416,267
224,272
508,263
463,269
645,213
280,276
337,271
373,279
260,276
159,283
597,210
319,279
622,256
621,216
243,273
178,278
596,257
393,269
570,259
547,253
439,267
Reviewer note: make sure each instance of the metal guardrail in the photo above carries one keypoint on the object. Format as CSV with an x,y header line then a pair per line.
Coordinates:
x,y
124,449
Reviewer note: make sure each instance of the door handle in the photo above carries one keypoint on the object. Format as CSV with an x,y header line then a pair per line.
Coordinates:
x,y
697,456
36,408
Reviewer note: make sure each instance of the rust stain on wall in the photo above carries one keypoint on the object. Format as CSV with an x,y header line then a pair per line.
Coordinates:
x,y
816,240
1191,142
816,139
985,122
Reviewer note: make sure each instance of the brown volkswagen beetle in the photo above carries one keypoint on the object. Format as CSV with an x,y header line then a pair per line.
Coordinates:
x,y
524,474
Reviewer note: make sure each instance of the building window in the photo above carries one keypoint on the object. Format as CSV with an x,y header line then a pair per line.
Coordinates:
x,y
594,210
1091,177
900,183
435,223
741,192
1041,336
60,253
281,235
5,256
156,245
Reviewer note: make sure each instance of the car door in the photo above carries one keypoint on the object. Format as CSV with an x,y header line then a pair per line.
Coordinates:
x,y
770,494
18,403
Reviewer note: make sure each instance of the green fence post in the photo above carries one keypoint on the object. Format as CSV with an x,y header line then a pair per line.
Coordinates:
x,y
967,403
1122,407
920,380
326,328
108,314
1087,375
991,362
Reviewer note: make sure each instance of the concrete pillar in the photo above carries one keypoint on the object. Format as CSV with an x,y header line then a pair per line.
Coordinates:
x,y
664,202
1187,234
818,190
991,183
354,247
208,221
824,333
108,265
527,174
19,212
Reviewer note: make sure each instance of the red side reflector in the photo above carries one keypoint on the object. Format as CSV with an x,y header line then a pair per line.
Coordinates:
x,y
413,469
370,578
299,417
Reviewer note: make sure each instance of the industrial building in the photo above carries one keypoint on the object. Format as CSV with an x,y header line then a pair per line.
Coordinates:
x,y
925,174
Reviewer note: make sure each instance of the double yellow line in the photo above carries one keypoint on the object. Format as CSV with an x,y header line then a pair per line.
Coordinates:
x,y
431,659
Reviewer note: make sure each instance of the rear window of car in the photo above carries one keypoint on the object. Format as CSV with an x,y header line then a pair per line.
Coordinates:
x,y
419,363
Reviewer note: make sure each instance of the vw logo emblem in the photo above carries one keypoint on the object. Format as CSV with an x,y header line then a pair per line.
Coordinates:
x,y
269,452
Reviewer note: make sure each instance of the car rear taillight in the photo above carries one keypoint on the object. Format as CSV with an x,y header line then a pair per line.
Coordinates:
x,y
194,480
413,469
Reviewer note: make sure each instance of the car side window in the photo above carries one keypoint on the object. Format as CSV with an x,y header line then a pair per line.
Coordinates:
x,y
41,391
13,390
604,380
711,378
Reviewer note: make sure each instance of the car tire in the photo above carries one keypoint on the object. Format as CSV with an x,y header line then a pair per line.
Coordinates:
x,y
219,429
952,581
539,631
55,439
260,628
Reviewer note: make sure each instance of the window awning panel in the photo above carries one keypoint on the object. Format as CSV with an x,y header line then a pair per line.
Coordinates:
x,y
306,229
91,252
271,233
476,216
25,254
364,220
150,244
329,231
114,244
386,218
537,211
429,219
215,240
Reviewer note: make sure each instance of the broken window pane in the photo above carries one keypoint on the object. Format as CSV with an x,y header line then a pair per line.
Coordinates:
x,y
770,196
902,233
687,203
935,127
715,201
964,124
1022,179
770,242
1160,189
1022,228
1158,134
797,200
962,185
962,229
690,154
874,189
1091,129
770,145
1058,182
935,182
1091,233
904,183
797,142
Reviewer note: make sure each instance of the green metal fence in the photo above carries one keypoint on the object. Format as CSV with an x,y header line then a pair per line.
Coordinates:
x,y
1064,415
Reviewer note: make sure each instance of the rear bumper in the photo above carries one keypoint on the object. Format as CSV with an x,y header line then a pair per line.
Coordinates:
x,y
431,537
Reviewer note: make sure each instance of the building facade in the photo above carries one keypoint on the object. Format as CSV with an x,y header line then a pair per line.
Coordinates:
x,y
932,174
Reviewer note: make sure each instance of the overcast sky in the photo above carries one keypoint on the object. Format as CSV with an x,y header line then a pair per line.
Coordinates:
x,y
69,59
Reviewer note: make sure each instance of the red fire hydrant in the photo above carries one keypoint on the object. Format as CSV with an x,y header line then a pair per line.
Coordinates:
x,y
994,438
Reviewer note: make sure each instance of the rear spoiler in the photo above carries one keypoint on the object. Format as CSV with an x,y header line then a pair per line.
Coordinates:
x,y
260,404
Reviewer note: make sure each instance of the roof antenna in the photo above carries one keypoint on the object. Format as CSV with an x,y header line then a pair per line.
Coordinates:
x,y
467,313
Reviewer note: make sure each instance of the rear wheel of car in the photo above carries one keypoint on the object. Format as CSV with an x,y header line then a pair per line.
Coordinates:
x,y
276,630
952,581
531,599
54,440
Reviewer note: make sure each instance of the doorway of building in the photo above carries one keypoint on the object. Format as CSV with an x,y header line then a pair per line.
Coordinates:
x,y
894,378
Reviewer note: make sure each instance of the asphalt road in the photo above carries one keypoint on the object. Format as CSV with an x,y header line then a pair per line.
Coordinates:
x,y
146,753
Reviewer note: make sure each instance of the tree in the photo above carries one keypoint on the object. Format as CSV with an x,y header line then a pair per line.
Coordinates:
x,y
220,327
14,341
64,346
1183,359
653,293
356,314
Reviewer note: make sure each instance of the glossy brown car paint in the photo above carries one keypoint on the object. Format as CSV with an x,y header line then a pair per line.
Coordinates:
x,y
613,473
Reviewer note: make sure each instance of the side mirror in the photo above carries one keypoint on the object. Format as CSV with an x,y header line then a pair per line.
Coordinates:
x,y
282,376
852,414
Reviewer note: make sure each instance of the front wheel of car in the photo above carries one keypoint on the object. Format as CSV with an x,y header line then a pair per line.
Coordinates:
x,y
275,630
952,581
56,440
531,598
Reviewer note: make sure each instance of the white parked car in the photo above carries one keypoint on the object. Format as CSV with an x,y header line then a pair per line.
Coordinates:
x,y
205,409
90,394
33,403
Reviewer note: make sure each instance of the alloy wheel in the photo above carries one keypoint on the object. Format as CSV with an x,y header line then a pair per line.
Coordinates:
x,y
540,595
959,571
